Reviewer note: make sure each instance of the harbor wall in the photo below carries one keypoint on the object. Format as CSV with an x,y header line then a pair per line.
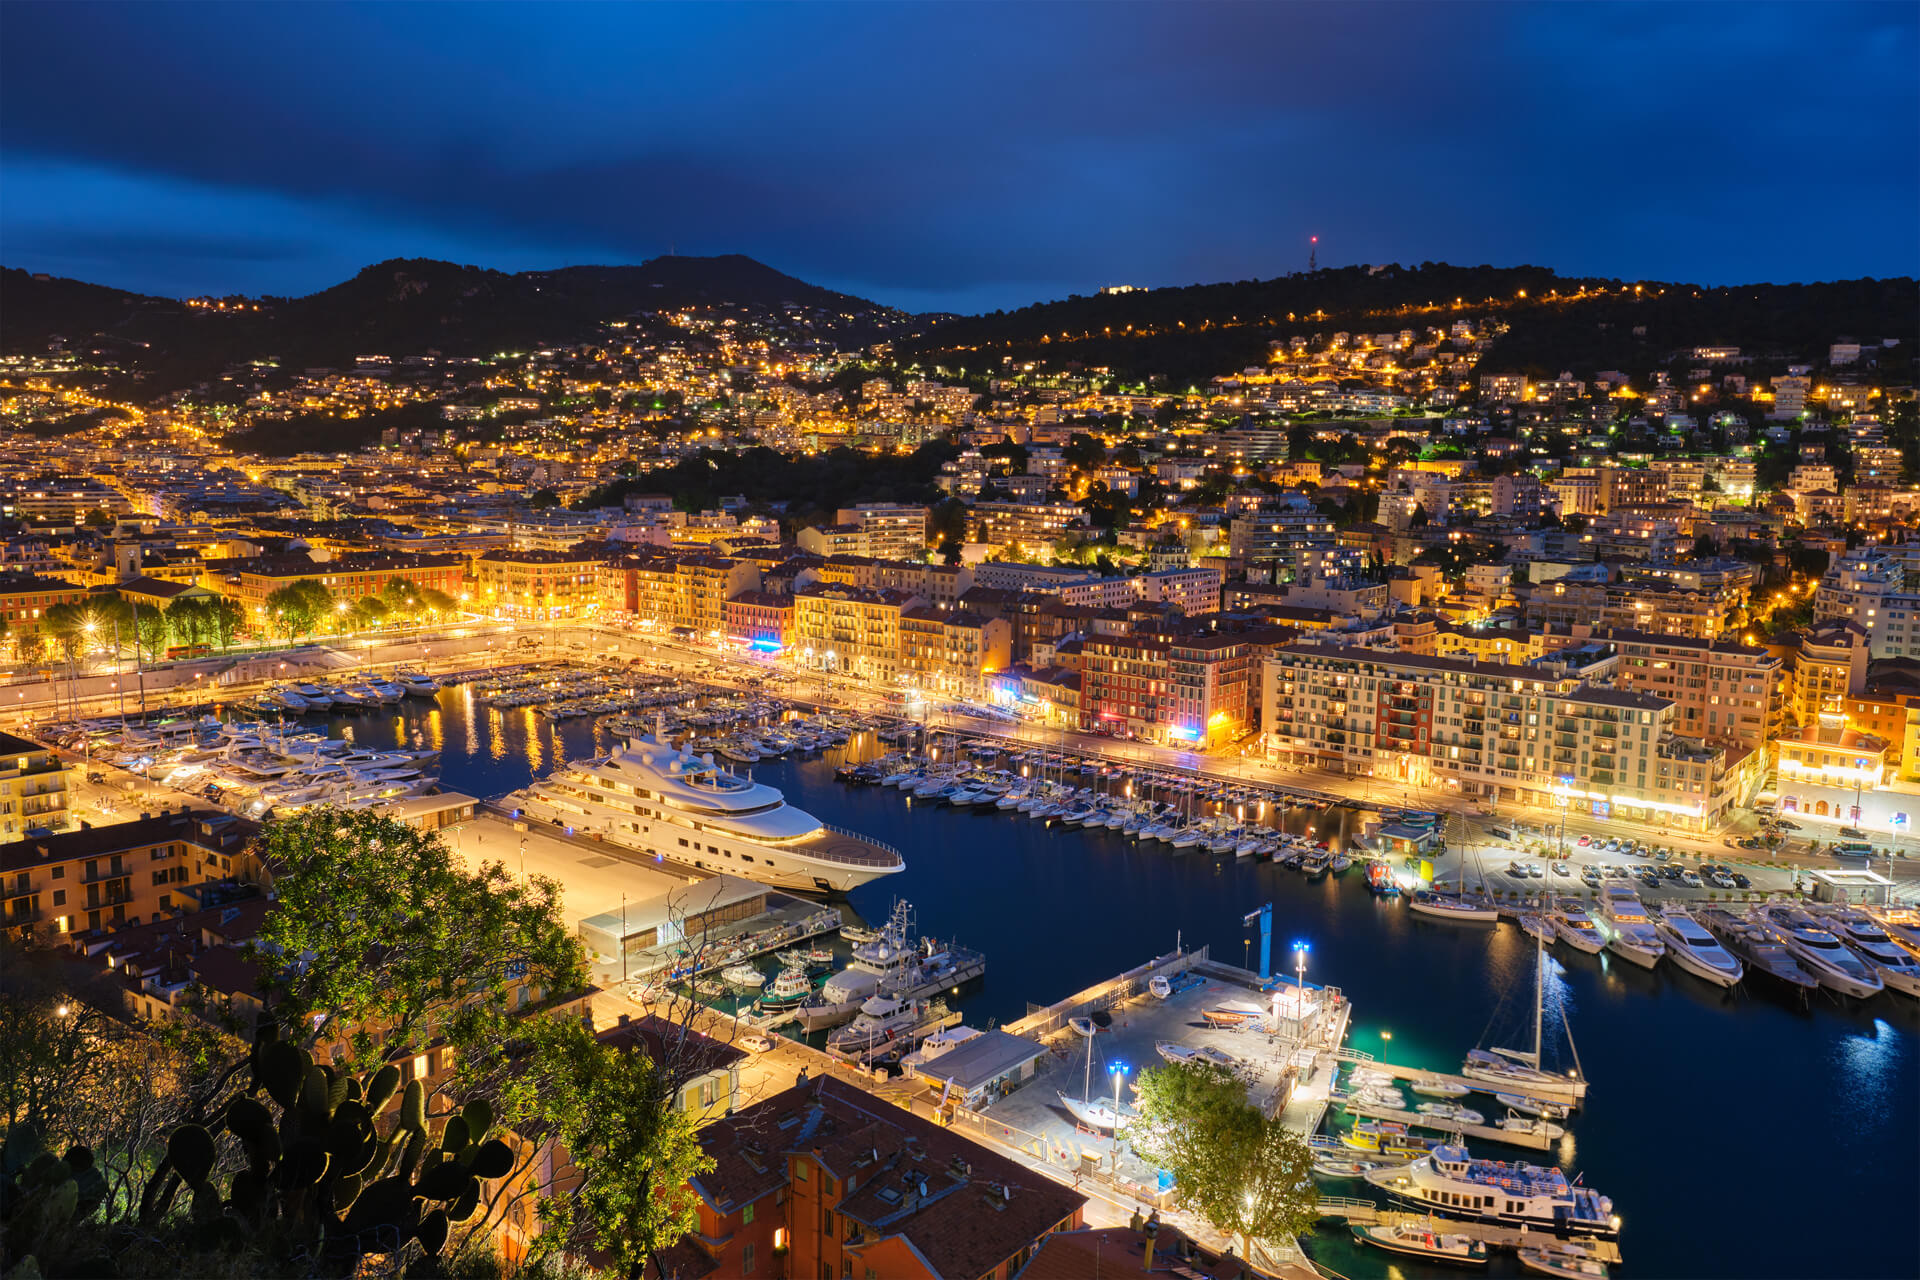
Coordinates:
x,y
1043,1021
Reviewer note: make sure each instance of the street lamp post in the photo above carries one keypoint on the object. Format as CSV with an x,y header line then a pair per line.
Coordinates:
x,y
1118,1070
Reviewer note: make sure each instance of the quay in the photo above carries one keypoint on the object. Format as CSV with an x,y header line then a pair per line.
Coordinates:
x,y
1491,1234
1569,1093
1535,1141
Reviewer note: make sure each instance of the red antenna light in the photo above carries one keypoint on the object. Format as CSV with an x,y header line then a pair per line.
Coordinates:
x,y
1313,254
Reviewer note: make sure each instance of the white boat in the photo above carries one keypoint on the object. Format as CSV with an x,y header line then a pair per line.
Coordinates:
x,y
673,806
1573,926
1520,1068
314,696
1421,1241
1451,1183
1526,1104
880,1020
1630,932
1821,953
1439,1088
1869,940
1532,1126
1161,988
1451,1113
744,976
1694,949
940,1042
417,683
1097,1113
1083,1026
1562,1263
1443,906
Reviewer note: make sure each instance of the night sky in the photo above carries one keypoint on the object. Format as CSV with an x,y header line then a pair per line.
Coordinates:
x,y
959,157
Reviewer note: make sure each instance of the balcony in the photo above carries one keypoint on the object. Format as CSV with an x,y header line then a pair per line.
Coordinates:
x,y
102,877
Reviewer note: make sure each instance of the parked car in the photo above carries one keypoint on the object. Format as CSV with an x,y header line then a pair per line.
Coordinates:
x,y
1722,879
1740,881
1691,879
756,1043
1662,854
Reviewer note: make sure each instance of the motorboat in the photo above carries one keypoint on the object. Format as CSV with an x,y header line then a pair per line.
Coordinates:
x,y
1560,1262
1371,1135
1446,906
1233,1015
1821,953
1451,1113
1451,1183
417,683
1328,1165
941,1042
1532,1127
1630,932
1439,1088
1527,1104
1694,949
1760,947
1421,1241
1869,940
673,806
881,1019
1573,926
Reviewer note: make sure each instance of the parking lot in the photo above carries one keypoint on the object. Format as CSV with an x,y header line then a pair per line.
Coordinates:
x,y
1534,862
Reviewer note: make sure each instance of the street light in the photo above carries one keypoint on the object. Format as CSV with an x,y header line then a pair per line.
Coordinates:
x,y
1300,950
1118,1070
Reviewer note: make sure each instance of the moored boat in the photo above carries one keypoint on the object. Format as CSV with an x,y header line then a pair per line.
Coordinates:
x,y
1422,1242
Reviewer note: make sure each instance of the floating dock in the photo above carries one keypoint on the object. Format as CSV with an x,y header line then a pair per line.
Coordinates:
x,y
1493,1235
1547,1090
1490,1133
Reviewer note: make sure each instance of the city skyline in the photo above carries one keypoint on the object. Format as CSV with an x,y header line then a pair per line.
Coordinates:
x,y
938,160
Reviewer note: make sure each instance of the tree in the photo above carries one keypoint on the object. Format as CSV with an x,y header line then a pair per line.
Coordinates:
x,y
100,518
544,499
633,1150
224,620
1243,1172
300,607
409,945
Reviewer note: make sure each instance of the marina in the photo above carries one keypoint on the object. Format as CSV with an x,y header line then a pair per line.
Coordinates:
x,y
1421,991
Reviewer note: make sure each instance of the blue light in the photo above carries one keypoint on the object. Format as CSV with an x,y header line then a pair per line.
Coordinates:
x,y
1117,1068
766,646
1302,946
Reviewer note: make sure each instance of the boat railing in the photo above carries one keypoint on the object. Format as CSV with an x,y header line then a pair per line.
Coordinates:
x,y
855,835
1341,1206
1353,1055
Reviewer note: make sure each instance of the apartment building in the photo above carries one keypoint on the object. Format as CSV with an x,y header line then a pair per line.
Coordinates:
x,y
951,652
760,620
1192,590
941,585
248,581
1827,666
537,584
1868,589
1664,610
1029,528
1722,690
850,629
33,789
24,601
104,877
670,589
892,531
1537,734
819,1181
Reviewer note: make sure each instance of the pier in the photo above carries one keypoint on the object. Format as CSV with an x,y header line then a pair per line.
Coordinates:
x,y
1535,1141
1493,1235
1567,1094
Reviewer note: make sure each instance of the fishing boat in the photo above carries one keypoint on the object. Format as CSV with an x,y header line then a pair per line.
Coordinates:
x,y
1369,1135
1450,1182
744,976
1694,949
790,987
1422,1242
1564,1263
1446,906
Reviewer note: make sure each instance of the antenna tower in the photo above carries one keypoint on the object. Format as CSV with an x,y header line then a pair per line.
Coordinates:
x,y
1313,254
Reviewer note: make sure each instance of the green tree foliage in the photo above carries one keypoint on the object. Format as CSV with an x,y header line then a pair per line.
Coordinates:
x,y
1246,1174
300,608
419,947
632,1149
812,485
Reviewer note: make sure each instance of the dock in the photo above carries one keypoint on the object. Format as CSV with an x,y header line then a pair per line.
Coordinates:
x,y
1550,1091
1534,1141
1491,1234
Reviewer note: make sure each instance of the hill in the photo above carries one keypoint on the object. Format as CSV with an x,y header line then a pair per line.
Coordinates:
x,y
403,306
1555,322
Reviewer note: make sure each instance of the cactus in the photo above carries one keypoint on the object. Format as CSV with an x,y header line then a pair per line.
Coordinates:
x,y
324,1180
45,1200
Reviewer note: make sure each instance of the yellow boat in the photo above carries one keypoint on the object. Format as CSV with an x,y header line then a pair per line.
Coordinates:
x,y
1369,1134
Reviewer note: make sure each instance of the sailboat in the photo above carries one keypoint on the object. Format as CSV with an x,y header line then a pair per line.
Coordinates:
x,y
1521,1067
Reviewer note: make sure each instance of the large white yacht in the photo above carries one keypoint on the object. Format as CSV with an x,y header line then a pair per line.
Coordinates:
x,y
653,797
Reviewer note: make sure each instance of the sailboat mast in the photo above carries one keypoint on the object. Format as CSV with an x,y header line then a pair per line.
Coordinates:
x,y
1539,992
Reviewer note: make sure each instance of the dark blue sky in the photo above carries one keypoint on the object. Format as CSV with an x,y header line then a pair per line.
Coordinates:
x,y
963,156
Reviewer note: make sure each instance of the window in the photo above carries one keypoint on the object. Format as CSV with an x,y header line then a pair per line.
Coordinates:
x,y
59,897
800,1171
826,1223
746,1258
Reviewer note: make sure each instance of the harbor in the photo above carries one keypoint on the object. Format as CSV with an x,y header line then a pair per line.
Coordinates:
x,y
1094,904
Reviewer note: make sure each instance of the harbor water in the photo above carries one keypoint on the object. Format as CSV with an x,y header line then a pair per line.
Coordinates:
x,y
1740,1134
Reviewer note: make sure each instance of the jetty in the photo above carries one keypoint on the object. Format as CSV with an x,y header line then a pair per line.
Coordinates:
x,y
1493,1235
1534,1141
1568,1093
